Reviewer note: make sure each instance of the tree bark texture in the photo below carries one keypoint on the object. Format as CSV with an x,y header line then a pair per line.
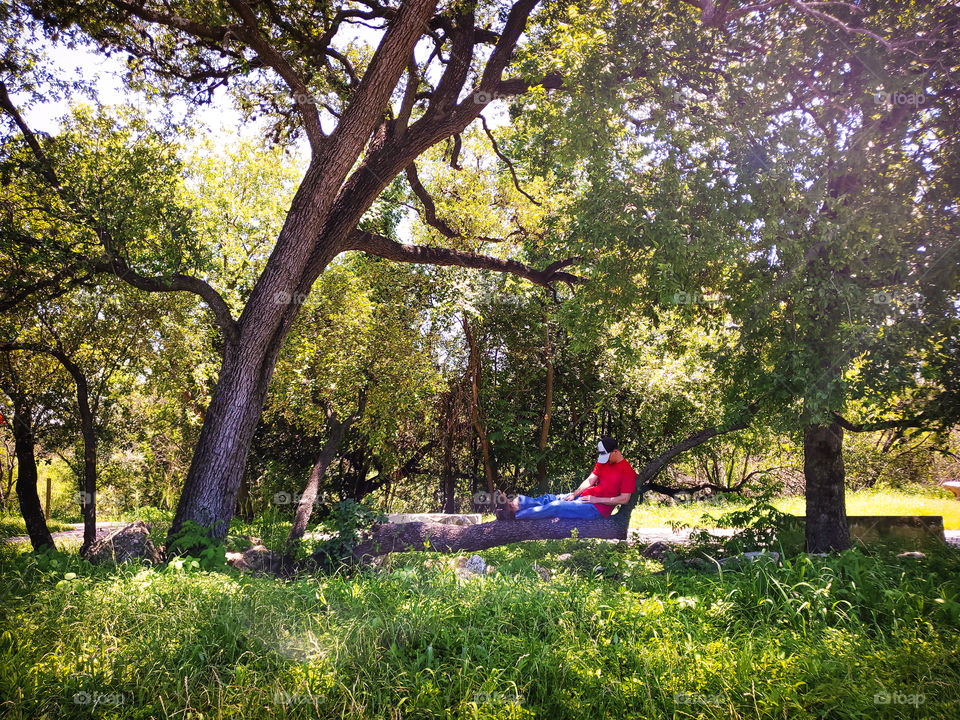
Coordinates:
x,y
308,499
826,527
27,493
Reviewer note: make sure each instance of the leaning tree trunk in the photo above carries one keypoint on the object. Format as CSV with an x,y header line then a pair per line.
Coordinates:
x,y
826,525
213,481
309,497
27,494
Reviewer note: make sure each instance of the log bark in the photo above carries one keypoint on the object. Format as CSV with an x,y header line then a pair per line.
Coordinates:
x,y
392,537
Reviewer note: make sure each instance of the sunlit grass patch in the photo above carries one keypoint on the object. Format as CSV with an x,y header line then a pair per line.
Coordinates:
x,y
13,526
875,501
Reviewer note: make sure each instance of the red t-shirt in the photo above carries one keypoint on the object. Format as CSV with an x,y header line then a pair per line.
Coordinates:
x,y
612,480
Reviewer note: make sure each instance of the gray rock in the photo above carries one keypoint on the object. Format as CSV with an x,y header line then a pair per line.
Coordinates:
x,y
256,559
128,542
476,565
749,557
656,550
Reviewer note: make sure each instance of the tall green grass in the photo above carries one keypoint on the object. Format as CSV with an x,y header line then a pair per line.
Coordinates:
x,y
605,636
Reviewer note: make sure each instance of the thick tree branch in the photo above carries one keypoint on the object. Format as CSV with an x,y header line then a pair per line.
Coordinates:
x,y
518,86
429,208
427,255
652,468
270,56
409,97
46,168
370,98
503,51
461,53
916,422
177,282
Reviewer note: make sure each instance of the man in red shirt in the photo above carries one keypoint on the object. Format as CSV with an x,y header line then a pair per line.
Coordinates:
x,y
611,483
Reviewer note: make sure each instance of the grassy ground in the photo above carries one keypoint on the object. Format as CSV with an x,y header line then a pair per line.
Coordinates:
x,y
880,501
13,526
852,636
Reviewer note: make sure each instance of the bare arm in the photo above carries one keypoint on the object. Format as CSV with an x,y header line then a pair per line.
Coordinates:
x,y
621,499
589,482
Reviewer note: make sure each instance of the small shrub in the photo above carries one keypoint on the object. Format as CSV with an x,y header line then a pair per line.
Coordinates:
x,y
195,540
350,522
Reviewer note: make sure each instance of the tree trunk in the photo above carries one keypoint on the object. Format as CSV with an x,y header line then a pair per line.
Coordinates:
x,y
545,428
489,469
244,508
213,481
827,528
447,479
9,463
89,505
309,497
27,493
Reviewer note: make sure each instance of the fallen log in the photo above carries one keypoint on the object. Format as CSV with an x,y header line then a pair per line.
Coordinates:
x,y
392,537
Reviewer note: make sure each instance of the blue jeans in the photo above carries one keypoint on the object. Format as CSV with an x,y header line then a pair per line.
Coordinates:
x,y
553,506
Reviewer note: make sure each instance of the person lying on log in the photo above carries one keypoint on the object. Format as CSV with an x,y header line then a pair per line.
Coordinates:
x,y
611,483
